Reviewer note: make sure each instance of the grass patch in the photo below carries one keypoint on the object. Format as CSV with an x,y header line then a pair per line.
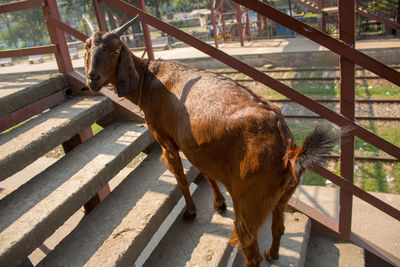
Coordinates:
x,y
96,128
311,178
396,175
373,177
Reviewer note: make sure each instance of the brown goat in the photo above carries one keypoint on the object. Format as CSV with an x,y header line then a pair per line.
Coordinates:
x,y
229,133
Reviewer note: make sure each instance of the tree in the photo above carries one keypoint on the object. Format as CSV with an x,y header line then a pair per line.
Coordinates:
x,y
190,4
24,28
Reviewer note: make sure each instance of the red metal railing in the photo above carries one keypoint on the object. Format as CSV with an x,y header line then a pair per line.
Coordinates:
x,y
348,58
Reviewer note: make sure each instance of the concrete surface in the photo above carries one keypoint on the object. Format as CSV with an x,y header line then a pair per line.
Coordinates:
x,y
331,252
117,231
367,221
34,211
280,52
18,94
22,145
13,182
202,242
294,242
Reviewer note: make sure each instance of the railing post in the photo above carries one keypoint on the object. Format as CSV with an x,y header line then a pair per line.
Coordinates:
x,y
99,15
146,33
215,34
239,21
347,101
68,146
321,16
57,37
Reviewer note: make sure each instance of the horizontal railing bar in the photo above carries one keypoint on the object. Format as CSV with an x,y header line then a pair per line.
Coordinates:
x,y
261,77
356,191
323,39
68,29
314,214
29,51
378,251
21,5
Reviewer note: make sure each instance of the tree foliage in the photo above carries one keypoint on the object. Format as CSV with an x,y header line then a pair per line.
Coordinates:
x,y
23,28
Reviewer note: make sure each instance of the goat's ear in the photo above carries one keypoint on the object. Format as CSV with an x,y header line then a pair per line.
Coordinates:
x,y
127,77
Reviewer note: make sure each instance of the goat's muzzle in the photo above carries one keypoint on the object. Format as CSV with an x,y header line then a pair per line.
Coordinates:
x,y
93,81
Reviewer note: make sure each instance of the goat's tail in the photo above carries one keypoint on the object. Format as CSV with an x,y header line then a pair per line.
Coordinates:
x,y
314,147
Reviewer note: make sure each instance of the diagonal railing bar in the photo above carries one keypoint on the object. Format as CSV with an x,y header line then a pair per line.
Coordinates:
x,y
307,5
313,213
20,5
356,191
66,28
22,52
364,243
378,19
323,39
242,67
262,78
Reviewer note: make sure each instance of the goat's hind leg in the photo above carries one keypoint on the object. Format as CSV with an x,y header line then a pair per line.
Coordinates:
x,y
174,163
278,227
219,199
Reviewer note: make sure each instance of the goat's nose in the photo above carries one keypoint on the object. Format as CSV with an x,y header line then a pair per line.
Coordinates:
x,y
94,77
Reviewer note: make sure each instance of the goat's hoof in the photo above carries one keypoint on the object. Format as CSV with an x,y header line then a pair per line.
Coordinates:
x,y
220,207
271,257
189,215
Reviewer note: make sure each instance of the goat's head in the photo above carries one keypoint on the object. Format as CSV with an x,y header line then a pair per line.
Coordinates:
x,y
108,60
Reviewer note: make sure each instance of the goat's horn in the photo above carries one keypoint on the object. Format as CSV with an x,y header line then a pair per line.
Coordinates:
x,y
124,27
90,23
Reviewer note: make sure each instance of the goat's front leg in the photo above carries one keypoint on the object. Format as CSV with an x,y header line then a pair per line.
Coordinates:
x,y
219,199
174,163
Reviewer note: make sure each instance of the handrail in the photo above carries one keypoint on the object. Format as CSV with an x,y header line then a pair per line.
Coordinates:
x,y
66,28
334,45
263,78
356,191
20,5
317,168
325,40
22,52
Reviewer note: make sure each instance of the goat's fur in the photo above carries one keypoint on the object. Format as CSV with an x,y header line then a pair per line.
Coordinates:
x,y
228,132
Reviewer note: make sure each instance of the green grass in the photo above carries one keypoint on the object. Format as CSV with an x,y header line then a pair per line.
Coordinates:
x,y
311,178
396,175
369,175
96,128
327,90
374,177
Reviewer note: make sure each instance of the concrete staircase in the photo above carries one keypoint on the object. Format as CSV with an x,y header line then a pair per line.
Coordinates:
x,y
139,222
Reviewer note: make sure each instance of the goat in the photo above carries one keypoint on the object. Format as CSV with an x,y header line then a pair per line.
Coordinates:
x,y
229,133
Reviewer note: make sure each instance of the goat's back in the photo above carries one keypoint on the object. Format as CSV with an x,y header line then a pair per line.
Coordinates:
x,y
217,122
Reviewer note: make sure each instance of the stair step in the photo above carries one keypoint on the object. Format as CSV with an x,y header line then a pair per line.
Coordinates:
x,y
203,242
294,242
29,215
24,144
18,95
327,251
118,229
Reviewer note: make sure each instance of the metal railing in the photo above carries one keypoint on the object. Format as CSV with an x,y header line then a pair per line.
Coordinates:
x,y
345,119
